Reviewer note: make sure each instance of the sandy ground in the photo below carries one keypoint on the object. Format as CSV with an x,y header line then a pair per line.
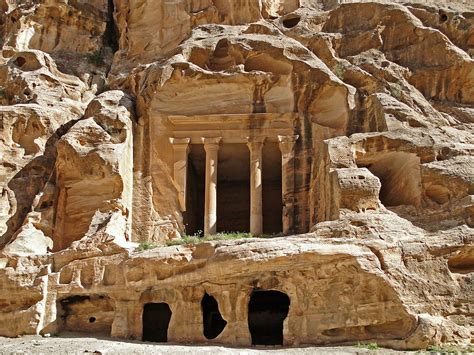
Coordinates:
x,y
76,344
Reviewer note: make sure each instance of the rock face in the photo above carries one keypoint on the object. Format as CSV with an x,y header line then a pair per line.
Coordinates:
x,y
339,135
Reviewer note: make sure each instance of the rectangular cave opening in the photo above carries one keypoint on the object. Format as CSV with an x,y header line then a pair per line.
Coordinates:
x,y
272,189
156,320
267,310
195,188
233,188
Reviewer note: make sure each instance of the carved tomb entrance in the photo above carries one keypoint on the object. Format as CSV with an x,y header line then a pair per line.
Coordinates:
x,y
156,319
266,313
235,173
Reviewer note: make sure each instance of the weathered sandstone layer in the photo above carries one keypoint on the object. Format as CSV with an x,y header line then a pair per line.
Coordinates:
x,y
339,135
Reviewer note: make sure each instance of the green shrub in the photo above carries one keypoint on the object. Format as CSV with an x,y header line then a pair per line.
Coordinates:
x,y
196,238
228,236
183,241
146,246
447,349
396,90
3,94
339,71
370,346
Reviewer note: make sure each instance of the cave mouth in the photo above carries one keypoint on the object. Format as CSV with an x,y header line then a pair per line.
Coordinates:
x,y
443,17
156,319
20,62
266,313
400,177
91,314
291,21
212,319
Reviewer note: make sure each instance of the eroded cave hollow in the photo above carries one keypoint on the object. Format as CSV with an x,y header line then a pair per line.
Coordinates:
x,y
92,314
156,320
400,176
266,313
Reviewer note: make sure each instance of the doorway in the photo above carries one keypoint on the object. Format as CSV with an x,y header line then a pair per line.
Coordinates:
x,y
195,188
156,319
233,188
272,189
266,312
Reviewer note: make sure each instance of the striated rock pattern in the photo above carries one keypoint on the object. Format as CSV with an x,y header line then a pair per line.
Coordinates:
x,y
338,133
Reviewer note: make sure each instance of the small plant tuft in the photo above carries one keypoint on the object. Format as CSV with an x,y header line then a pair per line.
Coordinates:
x,y
339,71
185,240
146,246
3,94
370,346
396,90
447,349
96,58
197,238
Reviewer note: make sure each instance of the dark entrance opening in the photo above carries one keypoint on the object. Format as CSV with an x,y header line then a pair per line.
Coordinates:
x,y
291,21
156,319
212,319
233,188
267,311
272,189
195,186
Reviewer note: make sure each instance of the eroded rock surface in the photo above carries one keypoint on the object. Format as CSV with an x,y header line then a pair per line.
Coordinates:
x,y
356,118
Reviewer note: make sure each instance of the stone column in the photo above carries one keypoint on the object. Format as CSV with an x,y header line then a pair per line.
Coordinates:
x,y
256,214
211,146
180,150
287,148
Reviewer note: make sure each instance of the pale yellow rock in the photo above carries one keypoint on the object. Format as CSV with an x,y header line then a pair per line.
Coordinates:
x,y
345,129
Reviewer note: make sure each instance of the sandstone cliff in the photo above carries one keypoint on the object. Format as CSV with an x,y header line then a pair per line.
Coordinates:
x,y
365,112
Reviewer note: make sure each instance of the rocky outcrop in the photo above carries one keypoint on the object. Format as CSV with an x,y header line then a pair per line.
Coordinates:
x,y
94,168
111,112
39,103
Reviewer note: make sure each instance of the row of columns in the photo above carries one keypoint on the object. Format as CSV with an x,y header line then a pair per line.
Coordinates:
x,y
255,145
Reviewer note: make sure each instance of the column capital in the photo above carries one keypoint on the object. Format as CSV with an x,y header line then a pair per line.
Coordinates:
x,y
255,142
177,141
180,143
211,142
287,143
